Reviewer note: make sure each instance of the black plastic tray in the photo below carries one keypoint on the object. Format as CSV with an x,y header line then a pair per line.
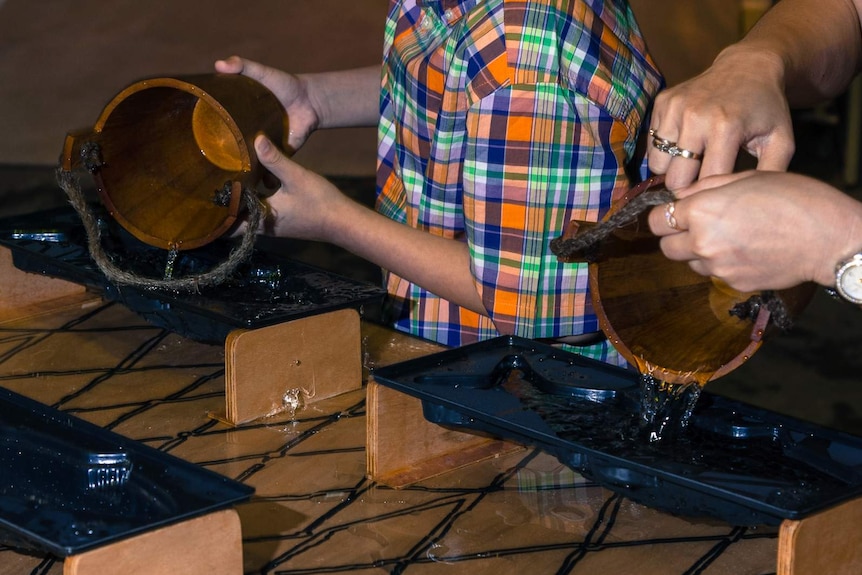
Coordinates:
x,y
67,485
737,463
266,290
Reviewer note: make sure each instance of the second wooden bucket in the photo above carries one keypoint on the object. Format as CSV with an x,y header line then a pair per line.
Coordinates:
x,y
664,318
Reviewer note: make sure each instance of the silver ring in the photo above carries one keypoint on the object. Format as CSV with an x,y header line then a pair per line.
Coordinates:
x,y
659,142
671,148
669,216
683,153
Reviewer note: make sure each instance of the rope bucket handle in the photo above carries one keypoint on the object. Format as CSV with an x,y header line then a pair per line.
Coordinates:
x,y
70,184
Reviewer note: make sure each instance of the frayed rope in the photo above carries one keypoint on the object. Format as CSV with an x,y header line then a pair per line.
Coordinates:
x,y
69,182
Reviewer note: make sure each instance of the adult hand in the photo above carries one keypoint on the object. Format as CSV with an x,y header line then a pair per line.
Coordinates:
x,y
738,103
290,89
761,230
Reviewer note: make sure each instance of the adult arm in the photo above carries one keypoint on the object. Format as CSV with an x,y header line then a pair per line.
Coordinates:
x,y
801,52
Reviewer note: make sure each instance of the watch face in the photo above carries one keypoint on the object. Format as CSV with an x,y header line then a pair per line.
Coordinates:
x,y
850,281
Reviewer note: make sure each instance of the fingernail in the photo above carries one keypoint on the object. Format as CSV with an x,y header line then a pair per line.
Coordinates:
x,y
263,145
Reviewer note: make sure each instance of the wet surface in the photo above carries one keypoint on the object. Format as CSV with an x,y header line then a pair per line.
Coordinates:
x,y
67,485
263,291
665,410
315,510
732,461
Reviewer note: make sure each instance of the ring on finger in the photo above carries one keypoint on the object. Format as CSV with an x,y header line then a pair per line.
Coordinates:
x,y
683,153
662,144
671,148
669,217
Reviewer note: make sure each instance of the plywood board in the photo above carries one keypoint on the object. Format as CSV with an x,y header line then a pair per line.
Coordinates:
x,y
275,369
402,447
202,546
827,542
23,294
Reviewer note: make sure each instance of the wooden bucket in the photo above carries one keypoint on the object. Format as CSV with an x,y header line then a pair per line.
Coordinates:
x,y
663,317
172,156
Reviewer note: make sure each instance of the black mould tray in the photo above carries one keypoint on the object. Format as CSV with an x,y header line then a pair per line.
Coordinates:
x,y
734,462
67,485
264,291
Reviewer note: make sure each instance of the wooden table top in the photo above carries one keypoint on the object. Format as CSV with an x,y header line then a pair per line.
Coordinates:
x,y
315,510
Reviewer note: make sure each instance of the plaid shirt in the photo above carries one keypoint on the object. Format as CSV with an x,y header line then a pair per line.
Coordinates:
x,y
501,120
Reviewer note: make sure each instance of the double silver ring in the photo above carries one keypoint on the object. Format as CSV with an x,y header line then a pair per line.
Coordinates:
x,y
670,147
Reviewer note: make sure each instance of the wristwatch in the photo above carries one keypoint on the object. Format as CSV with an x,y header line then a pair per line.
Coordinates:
x,y
848,279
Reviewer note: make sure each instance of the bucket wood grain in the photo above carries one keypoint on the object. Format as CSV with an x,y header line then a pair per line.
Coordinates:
x,y
666,319
171,156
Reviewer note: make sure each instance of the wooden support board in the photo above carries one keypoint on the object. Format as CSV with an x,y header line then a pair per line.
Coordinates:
x,y
274,369
402,447
201,546
24,294
829,542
